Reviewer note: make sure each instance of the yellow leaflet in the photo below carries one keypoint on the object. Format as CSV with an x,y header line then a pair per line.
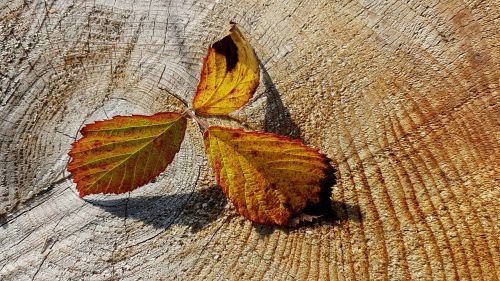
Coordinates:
x,y
267,177
229,76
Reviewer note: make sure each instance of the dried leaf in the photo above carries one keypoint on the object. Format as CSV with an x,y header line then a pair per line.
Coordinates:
x,y
302,218
229,76
267,177
126,152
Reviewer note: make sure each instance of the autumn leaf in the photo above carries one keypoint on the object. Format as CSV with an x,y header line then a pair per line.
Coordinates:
x,y
126,152
229,76
270,179
267,177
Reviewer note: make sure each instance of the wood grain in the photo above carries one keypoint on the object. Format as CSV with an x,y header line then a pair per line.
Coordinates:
x,y
403,96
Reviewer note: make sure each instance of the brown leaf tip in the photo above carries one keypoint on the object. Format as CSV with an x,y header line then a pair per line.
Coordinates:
x,y
325,206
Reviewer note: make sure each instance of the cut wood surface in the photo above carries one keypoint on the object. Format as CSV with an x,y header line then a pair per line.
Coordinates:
x,y
403,96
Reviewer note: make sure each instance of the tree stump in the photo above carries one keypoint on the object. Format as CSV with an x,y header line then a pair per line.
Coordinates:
x,y
401,95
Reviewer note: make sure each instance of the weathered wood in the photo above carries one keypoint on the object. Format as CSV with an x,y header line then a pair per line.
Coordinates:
x,y
402,95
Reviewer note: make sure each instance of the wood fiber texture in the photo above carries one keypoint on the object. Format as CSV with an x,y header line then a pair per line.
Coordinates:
x,y
403,96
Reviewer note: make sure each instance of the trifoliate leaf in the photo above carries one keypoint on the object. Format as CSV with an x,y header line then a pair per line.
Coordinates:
x,y
229,76
126,152
267,177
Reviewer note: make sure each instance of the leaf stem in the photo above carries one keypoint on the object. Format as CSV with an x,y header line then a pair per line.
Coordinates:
x,y
189,112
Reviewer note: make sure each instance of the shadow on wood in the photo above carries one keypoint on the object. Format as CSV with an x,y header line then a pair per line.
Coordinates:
x,y
195,209
277,118
342,213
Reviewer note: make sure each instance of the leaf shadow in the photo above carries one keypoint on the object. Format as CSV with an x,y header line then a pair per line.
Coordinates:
x,y
195,209
277,117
